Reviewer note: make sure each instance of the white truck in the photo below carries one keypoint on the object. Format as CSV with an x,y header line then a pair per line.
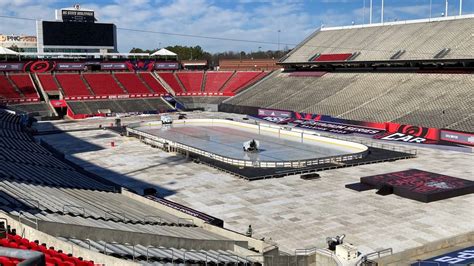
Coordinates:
x,y
166,120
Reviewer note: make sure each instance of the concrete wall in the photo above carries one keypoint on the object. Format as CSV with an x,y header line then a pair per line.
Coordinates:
x,y
429,250
32,234
119,236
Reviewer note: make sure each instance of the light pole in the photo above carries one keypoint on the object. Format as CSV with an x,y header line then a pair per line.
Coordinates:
x,y
446,9
370,12
381,13
279,40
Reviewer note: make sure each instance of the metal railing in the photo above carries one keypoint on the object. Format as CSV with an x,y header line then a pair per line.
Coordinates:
x,y
374,254
151,247
35,221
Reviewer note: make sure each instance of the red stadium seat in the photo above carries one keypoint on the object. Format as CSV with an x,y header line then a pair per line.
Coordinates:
x,y
7,90
72,85
242,79
103,84
192,81
169,78
215,81
153,83
48,82
132,83
24,83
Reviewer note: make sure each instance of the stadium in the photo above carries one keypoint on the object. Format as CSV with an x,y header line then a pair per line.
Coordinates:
x,y
354,148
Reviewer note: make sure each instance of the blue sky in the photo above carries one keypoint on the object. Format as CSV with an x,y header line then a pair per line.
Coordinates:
x,y
256,20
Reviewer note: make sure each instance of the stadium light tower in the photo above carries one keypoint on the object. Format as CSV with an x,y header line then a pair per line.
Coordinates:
x,y
446,9
370,12
381,13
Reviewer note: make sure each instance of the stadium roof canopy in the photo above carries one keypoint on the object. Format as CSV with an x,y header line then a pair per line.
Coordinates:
x,y
163,52
6,51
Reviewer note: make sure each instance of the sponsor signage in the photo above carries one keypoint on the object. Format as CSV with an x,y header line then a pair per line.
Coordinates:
x,y
58,103
19,41
11,66
457,137
274,113
113,66
77,16
70,66
337,127
463,256
161,65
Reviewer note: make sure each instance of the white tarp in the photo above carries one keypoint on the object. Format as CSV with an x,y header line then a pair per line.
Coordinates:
x,y
6,51
163,52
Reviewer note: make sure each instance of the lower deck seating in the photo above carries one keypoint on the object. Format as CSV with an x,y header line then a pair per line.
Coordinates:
x,y
215,80
132,83
52,256
24,83
73,85
170,79
36,109
192,81
48,82
7,90
153,83
103,84
119,106
242,79
152,254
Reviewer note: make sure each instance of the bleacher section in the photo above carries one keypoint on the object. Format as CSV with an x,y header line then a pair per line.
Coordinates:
x,y
48,82
149,254
103,84
37,187
431,100
153,83
411,40
52,256
40,109
119,106
192,81
24,83
132,83
240,80
215,80
7,91
72,85
170,79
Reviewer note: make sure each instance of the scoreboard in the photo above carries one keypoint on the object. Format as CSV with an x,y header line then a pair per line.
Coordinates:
x,y
78,35
79,16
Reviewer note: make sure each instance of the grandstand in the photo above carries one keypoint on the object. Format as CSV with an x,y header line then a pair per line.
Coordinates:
x,y
431,100
438,38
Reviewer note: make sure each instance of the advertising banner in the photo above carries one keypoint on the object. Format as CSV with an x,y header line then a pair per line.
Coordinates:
x,y
463,256
11,66
113,66
166,65
70,66
457,137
